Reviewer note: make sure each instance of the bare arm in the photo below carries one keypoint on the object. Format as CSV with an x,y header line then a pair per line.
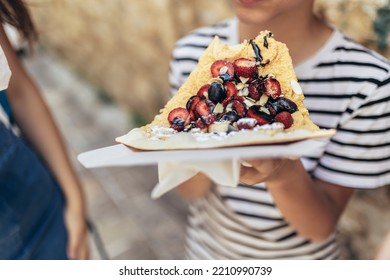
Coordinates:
x,y
384,249
34,119
311,206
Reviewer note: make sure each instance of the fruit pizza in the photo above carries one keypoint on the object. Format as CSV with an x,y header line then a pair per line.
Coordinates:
x,y
246,94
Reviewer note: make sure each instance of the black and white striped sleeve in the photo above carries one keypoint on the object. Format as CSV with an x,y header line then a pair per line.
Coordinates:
x,y
359,154
174,76
184,60
189,48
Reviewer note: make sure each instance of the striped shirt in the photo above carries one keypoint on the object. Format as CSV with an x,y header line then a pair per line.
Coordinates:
x,y
346,87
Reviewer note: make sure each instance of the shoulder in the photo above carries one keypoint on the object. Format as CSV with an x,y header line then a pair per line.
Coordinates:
x,y
190,47
373,69
199,39
360,60
222,29
344,66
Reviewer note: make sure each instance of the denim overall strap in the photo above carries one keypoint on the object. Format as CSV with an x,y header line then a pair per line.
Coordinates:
x,y
31,204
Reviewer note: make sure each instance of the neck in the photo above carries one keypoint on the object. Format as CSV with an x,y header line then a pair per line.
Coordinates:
x,y
303,37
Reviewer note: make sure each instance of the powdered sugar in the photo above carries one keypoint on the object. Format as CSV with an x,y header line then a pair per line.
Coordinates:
x,y
162,133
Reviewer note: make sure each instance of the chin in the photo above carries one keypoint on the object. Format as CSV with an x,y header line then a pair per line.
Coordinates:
x,y
252,17
264,12
253,12
249,3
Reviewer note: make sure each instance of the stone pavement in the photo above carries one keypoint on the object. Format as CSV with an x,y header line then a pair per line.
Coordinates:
x,y
130,223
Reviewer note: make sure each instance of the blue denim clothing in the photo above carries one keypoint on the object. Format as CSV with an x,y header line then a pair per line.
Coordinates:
x,y
6,106
31,204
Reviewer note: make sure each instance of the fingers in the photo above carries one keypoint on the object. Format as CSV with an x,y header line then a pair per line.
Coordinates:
x,y
78,248
246,164
83,252
75,221
72,247
250,176
254,171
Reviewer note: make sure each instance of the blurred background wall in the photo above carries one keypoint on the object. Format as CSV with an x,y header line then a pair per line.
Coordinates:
x,y
123,48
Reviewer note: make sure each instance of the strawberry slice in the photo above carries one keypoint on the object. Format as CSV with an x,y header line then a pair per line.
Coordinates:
x,y
178,118
203,89
200,124
234,97
261,117
246,123
272,87
178,113
231,89
209,119
192,101
237,107
245,68
256,89
204,107
285,118
191,106
194,115
222,67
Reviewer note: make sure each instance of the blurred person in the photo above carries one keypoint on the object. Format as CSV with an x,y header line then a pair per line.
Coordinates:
x,y
286,208
42,208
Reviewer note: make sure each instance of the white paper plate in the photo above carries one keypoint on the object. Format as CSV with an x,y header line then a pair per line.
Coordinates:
x,y
121,155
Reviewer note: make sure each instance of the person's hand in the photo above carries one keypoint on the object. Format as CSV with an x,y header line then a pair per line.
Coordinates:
x,y
76,226
254,171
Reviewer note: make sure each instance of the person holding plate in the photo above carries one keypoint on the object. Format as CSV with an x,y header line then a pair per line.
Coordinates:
x,y
289,208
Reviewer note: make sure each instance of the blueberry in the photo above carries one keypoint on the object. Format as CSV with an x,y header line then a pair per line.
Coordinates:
x,y
272,106
225,77
285,104
229,116
178,122
216,92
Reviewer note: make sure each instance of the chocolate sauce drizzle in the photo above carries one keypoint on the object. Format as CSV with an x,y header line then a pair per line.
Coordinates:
x,y
257,51
265,44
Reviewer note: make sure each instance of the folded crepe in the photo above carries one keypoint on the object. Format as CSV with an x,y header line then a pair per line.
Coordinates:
x,y
247,94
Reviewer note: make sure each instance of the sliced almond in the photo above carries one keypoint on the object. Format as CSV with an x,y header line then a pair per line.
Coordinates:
x,y
272,76
263,99
244,80
265,110
218,108
233,127
296,87
248,102
229,107
223,70
241,86
243,92
219,127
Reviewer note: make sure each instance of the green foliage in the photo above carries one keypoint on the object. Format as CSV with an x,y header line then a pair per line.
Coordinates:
x,y
382,26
